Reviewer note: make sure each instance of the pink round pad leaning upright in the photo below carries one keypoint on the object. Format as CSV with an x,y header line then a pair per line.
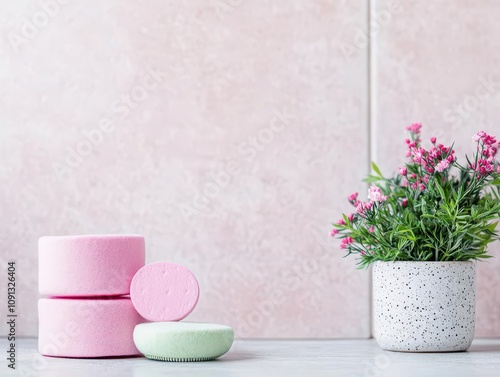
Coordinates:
x,y
164,291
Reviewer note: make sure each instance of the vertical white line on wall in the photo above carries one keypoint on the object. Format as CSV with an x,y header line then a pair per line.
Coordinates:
x,y
372,127
372,85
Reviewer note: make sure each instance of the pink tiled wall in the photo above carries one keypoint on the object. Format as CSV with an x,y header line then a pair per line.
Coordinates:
x,y
253,95
234,130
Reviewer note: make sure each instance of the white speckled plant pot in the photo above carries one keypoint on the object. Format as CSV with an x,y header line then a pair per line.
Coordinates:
x,y
424,306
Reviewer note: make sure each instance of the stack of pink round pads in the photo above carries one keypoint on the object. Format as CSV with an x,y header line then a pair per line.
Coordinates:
x,y
98,289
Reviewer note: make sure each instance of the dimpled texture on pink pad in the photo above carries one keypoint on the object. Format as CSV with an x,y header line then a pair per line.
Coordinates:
x,y
164,291
94,265
87,327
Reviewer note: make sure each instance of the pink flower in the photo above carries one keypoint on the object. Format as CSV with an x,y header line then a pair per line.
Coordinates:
x,y
485,138
341,222
486,167
414,128
490,152
489,139
351,217
353,197
346,241
362,207
418,153
375,194
442,165
422,187
407,141
478,136
404,203
371,229
434,152
483,167
333,232
403,171
498,169
433,140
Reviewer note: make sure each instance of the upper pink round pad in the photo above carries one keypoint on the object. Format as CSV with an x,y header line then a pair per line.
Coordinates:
x,y
82,266
164,292
87,327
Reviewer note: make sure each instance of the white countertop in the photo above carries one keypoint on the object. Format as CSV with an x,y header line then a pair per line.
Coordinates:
x,y
259,358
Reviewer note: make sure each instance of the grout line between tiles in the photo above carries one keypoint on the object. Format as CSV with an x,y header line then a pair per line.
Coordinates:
x,y
371,129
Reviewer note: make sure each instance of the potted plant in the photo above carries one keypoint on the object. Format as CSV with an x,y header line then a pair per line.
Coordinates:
x,y
423,230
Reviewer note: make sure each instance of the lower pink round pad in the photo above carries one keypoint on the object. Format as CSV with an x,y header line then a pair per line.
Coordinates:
x,y
87,327
91,265
164,292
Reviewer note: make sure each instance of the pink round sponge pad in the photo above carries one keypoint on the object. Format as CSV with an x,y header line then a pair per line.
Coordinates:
x,y
87,327
83,266
164,291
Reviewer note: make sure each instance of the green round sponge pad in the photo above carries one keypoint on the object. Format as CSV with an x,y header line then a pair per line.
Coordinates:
x,y
182,341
